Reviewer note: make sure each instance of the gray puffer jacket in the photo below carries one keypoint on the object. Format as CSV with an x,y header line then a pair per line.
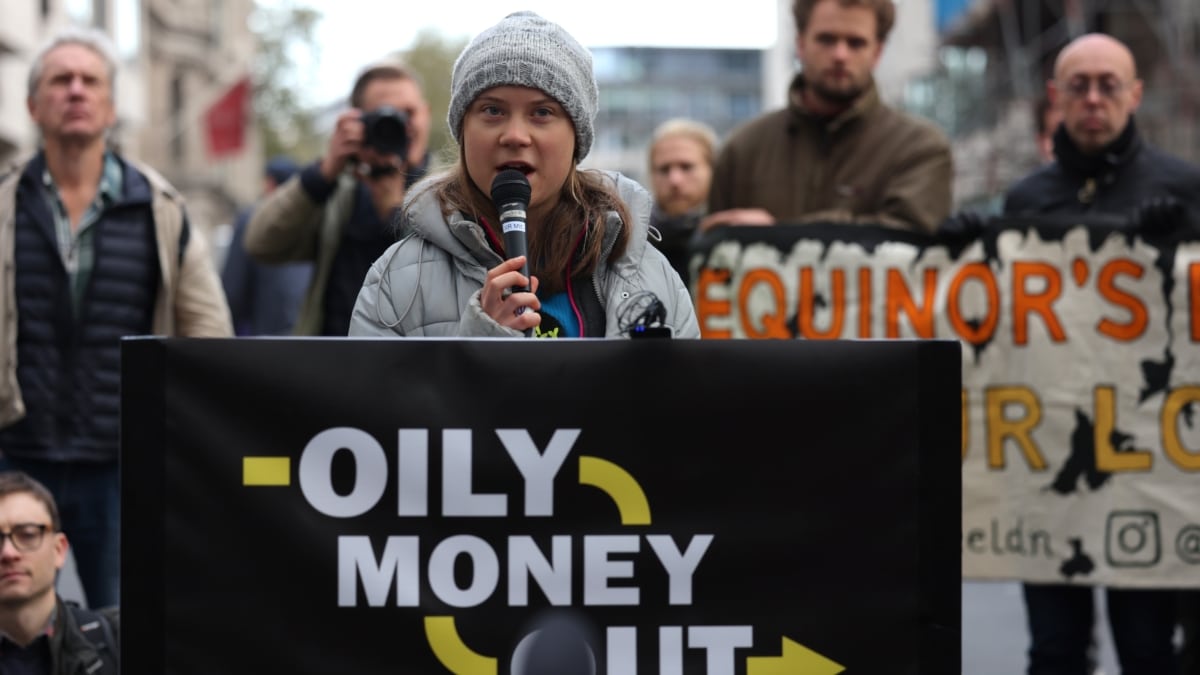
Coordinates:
x,y
427,284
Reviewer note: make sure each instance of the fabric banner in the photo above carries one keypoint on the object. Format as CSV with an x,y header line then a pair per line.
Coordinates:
x,y
491,507
1081,375
226,120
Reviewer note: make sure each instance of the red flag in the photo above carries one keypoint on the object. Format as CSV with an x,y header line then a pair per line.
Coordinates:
x,y
225,121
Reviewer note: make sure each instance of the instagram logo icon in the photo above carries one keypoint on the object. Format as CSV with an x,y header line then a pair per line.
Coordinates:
x,y
1132,539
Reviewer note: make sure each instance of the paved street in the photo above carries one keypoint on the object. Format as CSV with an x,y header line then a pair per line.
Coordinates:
x,y
993,628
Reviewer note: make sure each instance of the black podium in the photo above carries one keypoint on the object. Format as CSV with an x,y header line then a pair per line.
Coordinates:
x,y
486,507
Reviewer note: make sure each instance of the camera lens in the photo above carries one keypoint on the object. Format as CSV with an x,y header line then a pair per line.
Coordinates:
x,y
386,130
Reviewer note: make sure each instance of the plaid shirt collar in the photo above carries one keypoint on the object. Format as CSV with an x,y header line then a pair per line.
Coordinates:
x,y
111,183
75,244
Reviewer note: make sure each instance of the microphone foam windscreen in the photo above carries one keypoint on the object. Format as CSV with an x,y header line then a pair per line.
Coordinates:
x,y
510,186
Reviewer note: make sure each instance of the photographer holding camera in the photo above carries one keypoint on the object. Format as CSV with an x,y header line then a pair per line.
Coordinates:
x,y
337,212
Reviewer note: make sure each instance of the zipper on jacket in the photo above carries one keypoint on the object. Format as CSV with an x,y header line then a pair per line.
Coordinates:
x,y
604,254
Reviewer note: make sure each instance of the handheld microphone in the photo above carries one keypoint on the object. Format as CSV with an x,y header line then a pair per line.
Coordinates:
x,y
510,194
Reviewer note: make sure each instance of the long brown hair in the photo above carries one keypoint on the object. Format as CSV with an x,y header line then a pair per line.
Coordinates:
x,y
571,238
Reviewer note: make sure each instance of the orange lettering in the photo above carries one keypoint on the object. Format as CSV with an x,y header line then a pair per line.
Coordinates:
x,y
807,306
1194,293
899,298
983,332
1024,302
1138,316
864,302
707,308
773,325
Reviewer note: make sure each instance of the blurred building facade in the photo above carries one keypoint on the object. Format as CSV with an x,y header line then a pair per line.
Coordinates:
x,y
178,57
641,87
996,56
198,50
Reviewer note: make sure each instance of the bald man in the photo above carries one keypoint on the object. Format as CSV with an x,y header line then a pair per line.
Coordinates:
x,y
1102,168
1102,165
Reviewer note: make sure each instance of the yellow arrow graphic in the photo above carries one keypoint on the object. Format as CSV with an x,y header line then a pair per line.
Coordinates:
x,y
796,660
448,647
619,485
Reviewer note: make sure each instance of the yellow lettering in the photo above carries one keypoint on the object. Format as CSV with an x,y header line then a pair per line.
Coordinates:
x,y
1107,457
1184,458
1000,427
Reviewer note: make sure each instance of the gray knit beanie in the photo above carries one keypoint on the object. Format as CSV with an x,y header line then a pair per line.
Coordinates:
x,y
526,50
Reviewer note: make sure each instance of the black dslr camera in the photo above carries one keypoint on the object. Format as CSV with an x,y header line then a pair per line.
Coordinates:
x,y
386,129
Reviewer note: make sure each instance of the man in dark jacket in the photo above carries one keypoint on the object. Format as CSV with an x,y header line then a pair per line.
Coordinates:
x,y
836,153
1102,164
337,213
264,299
1103,169
40,633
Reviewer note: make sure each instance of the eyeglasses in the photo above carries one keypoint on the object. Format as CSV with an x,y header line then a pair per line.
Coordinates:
x,y
26,537
1108,86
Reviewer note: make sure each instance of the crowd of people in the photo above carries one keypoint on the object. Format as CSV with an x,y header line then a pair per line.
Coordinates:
x,y
99,246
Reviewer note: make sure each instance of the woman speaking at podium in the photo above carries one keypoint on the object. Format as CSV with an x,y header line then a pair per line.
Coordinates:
x,y
523,101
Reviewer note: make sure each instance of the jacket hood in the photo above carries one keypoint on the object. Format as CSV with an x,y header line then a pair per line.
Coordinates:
x,y
465,240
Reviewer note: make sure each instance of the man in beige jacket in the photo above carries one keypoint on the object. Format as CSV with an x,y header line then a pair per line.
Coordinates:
x,y
92,248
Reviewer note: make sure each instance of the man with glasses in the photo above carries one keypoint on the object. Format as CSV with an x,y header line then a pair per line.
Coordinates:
x,y
1103,169
39,632
1102,164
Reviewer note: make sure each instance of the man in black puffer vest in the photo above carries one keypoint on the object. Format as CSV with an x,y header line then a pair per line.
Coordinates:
x,y
92,248
1104,173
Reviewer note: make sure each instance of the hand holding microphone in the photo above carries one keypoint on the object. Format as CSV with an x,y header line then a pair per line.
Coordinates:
x,y
510,194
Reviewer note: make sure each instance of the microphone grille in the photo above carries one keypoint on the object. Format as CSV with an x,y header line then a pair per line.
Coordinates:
x,y
510,186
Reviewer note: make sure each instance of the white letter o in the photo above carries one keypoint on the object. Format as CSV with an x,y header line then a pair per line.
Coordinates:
x,y
370,474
